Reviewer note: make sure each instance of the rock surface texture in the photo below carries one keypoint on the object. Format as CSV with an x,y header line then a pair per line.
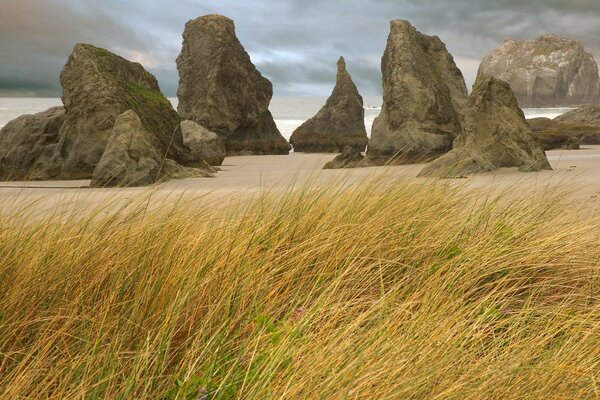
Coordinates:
x,y
28,146
581,125
204,144
496,135
424,94
588,114
67,143
545,72
339,124
351,157
221,90
132,158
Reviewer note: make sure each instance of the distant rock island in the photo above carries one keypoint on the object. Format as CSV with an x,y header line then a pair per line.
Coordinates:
x,y
339,124
550,71
424,94
221,90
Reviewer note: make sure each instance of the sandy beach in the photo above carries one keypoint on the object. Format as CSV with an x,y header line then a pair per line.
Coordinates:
x,y
576,174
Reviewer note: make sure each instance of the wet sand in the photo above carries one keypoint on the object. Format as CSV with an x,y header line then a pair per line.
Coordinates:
x,y
576,172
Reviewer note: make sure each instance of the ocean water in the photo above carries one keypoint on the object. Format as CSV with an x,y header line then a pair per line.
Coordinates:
x,y
288,112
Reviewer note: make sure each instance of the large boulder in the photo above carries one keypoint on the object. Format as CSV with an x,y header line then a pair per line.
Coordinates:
x,y
131,157
588,114
581,125
204,144
545,72
339,124
221,90
496,135
424,94
68,143
98,86
28,146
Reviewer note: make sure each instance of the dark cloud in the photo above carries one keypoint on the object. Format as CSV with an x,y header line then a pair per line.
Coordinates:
x,y
294,42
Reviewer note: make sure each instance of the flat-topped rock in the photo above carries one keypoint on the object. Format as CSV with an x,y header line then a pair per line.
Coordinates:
x,y
351,157
221,90
496,135
424,94
339,124
548,71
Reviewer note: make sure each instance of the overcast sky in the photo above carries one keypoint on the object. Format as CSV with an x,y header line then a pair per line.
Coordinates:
x,y
295,43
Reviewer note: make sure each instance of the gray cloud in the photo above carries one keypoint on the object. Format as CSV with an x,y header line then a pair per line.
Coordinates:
x,y
295,42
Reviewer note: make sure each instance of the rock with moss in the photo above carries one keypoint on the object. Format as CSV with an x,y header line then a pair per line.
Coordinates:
x,y
204,144
424,94
581,125
339,124
98,86
28,146
496,135
548,71
221,90
133,158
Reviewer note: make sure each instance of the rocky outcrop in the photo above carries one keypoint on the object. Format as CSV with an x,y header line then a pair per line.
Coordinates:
x,y
339,124
496,135
28,146
98,86
588,114
423,98
221,90
132,158
204,144
68,143
351,157
581,125
545,72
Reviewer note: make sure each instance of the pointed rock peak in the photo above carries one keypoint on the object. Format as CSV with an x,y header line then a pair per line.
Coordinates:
x,y
341,65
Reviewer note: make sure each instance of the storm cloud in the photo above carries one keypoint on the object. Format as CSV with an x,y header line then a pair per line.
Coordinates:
x,y
295,43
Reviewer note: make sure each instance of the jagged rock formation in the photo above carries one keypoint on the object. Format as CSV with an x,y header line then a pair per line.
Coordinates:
x,y
339,124
204,144
68,143
131,158
496,135
423,97
545,72
221,90
351,157
28,146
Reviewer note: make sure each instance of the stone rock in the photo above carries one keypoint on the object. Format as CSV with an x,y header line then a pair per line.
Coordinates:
x,y
424,94
98,86
132,158
204,144
581,125
28,146
496,135
588,114
339,124
221,90
351,157
546,72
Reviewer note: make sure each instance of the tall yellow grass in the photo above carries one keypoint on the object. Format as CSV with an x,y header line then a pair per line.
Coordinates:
x,y
395,291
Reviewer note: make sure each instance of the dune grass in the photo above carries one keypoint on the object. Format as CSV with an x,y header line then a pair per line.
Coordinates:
x,y
395,291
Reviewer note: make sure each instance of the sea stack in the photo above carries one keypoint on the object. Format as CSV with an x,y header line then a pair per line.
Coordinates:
x,y
549,71
221,90
98,86
424,94
339,124
496,135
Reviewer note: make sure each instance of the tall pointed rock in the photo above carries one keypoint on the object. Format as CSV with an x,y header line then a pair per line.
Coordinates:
x,y
423,97
221,90
339,124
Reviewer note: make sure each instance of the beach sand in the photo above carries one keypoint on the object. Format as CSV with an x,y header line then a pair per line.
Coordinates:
x,y
576,173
